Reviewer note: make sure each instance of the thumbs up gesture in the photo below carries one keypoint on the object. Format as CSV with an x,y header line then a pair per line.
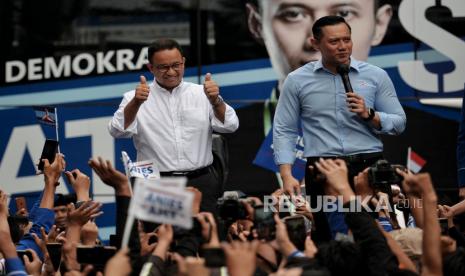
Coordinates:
x,y
211,89
142,91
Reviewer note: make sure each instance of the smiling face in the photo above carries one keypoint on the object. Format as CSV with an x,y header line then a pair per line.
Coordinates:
x,y
61,216
335,45
168,67
285,28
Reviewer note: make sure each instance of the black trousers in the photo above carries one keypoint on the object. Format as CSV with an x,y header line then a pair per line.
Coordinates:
x,y
315,187
210,185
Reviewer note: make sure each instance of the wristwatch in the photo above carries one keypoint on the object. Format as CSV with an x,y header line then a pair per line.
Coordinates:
x,y
371,115
218,101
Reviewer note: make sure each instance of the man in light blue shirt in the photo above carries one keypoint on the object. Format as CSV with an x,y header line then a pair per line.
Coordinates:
x,y
335,123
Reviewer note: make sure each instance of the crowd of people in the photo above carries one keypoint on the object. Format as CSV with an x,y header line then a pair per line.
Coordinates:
x,y
375,244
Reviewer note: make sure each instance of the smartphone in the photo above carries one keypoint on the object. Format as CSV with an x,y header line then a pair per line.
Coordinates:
x,y
48,152
21,203
444,226
95,255
54,250
264,223
21,253
296,229
214,257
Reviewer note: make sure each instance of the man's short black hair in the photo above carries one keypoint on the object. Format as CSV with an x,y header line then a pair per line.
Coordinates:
x,y
329,20
64,200
162,44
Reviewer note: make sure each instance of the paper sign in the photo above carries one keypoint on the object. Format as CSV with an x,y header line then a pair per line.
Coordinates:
x,y
162,204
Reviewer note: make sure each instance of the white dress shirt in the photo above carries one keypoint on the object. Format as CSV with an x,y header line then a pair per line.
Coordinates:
x,y
174,128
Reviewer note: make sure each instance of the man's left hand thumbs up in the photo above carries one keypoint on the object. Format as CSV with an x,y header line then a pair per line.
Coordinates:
x,y
211,89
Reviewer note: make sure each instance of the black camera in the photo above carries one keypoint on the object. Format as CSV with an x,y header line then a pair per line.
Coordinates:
x,y
230,207
383,174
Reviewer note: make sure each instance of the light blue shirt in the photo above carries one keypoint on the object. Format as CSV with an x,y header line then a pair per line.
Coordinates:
x,y
316,98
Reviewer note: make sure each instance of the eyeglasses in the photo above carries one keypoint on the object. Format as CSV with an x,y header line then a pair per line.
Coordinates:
x,y
163,68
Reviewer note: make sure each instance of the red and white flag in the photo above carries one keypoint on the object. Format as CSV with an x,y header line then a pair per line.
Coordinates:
x,y
414,161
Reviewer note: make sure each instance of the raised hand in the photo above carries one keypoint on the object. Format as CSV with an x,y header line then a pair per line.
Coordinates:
x,y
80,183
211,90
86,211
145,246
110,176
417,185
241,257
89,233
53,171
48,268
32,267
209,230
119,264
165,236
142,91
336,175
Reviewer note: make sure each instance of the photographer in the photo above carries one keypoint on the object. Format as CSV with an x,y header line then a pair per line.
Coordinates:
x,y
377,255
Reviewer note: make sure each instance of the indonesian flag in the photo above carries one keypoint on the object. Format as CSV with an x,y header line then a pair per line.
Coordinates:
x,y
414,161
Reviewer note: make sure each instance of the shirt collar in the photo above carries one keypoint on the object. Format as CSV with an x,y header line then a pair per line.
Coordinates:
x,y
355,64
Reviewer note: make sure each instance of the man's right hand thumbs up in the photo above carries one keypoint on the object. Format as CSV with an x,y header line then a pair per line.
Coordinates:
x,y
142,91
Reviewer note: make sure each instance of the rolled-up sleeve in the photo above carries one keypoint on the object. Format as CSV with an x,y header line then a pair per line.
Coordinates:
x,y
285,125
231,122
116,125
387,105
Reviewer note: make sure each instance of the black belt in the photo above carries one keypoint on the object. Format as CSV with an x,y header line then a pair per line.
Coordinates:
x,y
354,158
193,173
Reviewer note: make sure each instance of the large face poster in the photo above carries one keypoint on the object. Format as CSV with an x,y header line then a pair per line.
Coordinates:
x,y
81,56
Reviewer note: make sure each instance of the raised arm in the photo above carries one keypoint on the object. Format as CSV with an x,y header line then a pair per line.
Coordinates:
x,y
421,186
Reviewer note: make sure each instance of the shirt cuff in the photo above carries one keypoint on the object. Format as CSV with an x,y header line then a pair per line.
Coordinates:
x,y
284,157
231,123
385,123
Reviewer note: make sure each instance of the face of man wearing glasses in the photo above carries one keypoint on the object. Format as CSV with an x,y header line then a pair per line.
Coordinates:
x,y
168,68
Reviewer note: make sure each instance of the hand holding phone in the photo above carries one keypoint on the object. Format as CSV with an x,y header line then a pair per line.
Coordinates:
x,y
264,223
22,253
54,250
21,206
296,230
48,152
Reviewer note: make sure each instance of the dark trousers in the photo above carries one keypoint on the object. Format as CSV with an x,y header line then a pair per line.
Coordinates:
x,y
210,185
315,188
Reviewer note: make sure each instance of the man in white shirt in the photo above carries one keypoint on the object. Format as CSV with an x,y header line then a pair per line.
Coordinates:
x,y
172,121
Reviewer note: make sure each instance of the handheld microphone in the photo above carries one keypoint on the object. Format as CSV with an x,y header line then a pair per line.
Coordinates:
x,y
343,70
